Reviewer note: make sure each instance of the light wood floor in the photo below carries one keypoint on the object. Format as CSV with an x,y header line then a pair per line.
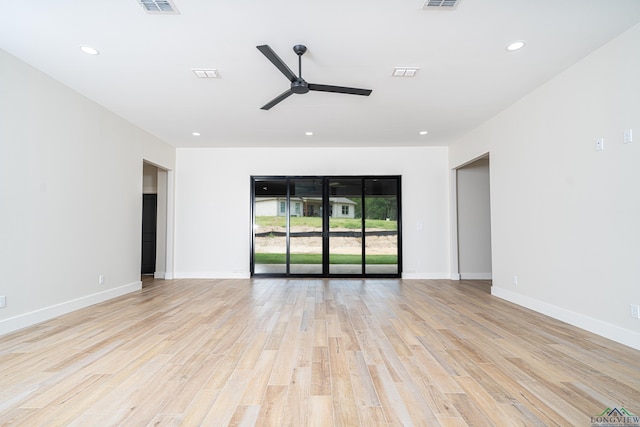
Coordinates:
x,y
275,352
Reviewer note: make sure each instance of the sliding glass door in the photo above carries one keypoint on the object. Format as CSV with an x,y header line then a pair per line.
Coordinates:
x,y
346,251
381,225
326,226
305,226
270,224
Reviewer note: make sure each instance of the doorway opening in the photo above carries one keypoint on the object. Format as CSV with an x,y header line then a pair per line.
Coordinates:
x,y
326,226
473,220
155,242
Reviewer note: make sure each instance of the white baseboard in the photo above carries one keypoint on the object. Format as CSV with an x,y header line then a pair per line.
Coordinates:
x,y
29,319
213,275
426,276
159,275
246,275
475,276
598,327
455,276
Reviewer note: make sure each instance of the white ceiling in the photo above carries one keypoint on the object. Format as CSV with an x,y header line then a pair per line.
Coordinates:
x,y
144,70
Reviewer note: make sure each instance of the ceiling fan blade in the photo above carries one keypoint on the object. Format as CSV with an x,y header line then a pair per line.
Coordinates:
x,y
279,63
284,95
339,89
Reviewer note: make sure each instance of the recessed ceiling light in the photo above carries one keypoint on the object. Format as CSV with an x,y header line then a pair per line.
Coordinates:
x,y
424,132
195,133
308,133
516,45
89,50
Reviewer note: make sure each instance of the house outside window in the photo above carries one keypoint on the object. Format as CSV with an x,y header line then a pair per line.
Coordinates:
x,y
283,207
345,210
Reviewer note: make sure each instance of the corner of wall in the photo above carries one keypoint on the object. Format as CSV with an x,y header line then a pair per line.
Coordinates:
x,y
21,321
596,326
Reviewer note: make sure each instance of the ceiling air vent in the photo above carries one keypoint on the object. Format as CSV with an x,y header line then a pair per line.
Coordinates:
x,y
206,73
405,71
159,6
440,4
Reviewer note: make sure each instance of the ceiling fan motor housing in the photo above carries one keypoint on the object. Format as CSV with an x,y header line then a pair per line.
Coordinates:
x,y
299,49
299,86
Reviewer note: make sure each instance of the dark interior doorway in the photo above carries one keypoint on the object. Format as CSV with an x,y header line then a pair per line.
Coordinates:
x,y
149,236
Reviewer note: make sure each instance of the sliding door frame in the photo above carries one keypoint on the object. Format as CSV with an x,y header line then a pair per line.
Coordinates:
x,y
326,214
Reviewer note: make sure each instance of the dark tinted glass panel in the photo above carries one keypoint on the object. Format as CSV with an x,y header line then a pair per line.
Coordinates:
x,y
381,226
345,226
270,226
305,222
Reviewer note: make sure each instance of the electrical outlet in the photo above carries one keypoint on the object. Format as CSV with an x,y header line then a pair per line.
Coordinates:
x,y
628,136
3,301
515,280
635,311
600,144
101,279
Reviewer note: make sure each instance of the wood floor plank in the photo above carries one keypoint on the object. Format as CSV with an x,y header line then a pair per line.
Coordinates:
x,y
344,406
273,405
371,416
287,356
200,406
368,346
432,394
320,411
186,390
364,391
259,378
418,407
484,401
320,372
296,412
304,352
469,411
166,420
245,416
393,407
224,407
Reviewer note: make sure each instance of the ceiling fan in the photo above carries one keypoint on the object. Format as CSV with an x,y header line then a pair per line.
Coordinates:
x,y
298,84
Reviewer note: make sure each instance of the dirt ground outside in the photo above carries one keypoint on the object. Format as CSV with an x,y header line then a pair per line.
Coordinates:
x,y
375,245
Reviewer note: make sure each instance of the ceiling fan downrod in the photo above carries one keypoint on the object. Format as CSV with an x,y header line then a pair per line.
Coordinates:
x,y
300,49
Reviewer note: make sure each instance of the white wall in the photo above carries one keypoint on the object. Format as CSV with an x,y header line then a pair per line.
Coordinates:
x,y
565,218
213,201
474,220
149,179
70,195
162,225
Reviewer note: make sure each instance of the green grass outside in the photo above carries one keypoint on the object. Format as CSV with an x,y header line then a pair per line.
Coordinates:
x,y
316,222
268,258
